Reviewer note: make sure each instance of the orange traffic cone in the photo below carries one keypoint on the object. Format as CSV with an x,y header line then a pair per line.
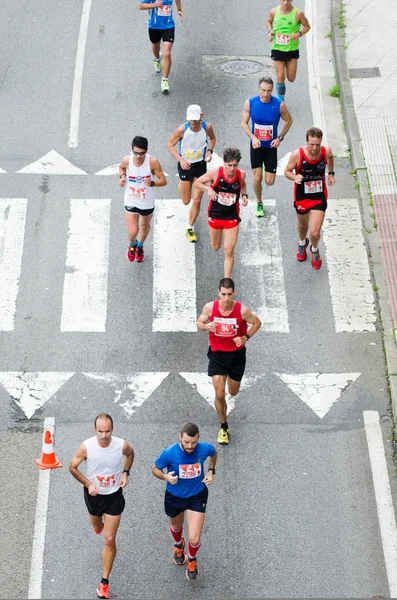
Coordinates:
x,y
48,459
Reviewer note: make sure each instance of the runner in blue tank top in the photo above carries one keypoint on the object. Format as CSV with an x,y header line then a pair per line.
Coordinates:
x,y
186,490
264,111
162,27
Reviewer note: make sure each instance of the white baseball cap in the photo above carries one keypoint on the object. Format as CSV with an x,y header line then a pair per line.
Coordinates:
x,y
193,112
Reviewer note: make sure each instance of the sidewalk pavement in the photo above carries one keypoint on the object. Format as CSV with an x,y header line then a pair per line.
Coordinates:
x,y
366,69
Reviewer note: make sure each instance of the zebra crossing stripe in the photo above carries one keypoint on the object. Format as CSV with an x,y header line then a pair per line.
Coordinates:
x,y
12,231
84,304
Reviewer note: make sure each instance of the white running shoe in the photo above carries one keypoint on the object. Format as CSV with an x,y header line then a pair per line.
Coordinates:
x,y
165,88
157,65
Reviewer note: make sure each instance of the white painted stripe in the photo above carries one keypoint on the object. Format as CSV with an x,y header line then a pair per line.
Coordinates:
x,y
384,501
52,163
352,296
262,251
85,286
12,230
78,77
40,521
314,71
174,270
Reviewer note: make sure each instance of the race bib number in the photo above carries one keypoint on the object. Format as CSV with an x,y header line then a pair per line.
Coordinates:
x,y
313,187
164,11
189,471
138,193
225,327
105,482
193,154
282,40
226,199
264,133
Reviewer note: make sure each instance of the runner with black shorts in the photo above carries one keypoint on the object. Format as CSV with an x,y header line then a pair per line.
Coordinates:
x,y
196,140
306,167
227,322
138,170
227,184
186,490
162,28
284,30
264,111
106,476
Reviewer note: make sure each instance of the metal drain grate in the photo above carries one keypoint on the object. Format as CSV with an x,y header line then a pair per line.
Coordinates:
x,y
366,72
241,67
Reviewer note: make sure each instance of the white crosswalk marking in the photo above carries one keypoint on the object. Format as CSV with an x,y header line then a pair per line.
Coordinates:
x,y
349,275
262,250
85,286
174,270
12,231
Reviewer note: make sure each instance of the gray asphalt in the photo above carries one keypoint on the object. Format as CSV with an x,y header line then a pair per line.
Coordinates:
x,y
292,511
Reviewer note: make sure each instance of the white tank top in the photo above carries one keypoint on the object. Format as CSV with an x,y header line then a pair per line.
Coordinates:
x,y
137,193
193,145
104,465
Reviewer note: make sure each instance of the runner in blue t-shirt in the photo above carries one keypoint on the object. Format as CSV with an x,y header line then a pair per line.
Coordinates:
x,y
162,27
186,490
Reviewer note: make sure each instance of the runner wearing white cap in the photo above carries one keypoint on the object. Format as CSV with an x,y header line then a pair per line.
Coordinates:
x,y
196,141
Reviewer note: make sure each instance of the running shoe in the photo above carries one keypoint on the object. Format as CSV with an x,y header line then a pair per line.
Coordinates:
x,y
103,590
140,255
157,65
301,255
316,259
131,253
223,436
179,557
280,97
165,88
191,569
191,236
259,210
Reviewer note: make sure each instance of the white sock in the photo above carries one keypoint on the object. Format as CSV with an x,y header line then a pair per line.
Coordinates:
x,y
314,249
302,242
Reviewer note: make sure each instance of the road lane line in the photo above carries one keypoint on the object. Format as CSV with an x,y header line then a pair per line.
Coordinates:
x,y
352,296
384,501
174,270
40,522
78,76
314,71
12,231
84,303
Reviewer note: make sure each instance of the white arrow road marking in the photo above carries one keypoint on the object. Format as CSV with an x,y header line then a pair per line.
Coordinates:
x,y
12,231
32,390
282,163
2,171
52,164
203,384
114,170
136,388
174,270
319,391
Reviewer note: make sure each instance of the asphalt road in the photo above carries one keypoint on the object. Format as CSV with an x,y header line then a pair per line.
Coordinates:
x,y
292,512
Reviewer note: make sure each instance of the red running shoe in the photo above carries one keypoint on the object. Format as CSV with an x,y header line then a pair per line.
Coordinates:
x,y
131,253
103,590
316,259
140,255
301,255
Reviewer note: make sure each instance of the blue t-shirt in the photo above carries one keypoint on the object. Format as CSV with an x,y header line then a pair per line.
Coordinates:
x,y
188,467
265,117
161,16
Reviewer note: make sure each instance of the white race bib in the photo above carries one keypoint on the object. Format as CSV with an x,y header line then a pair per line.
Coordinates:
x,y
164,11
283,40
138,193
313,187
194,154
226,199
264,133
225,327
189,471
105,482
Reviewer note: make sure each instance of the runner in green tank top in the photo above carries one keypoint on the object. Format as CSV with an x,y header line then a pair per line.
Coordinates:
x,y
284,29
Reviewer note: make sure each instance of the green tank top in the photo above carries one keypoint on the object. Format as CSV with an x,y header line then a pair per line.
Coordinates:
x,y
283,27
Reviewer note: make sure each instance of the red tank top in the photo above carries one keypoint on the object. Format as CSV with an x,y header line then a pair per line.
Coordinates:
x,y
227,328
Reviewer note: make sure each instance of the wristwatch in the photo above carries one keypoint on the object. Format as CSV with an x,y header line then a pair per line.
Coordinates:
x,y
331,173
152,184
127,471
281,138
212,469
247,336
210,150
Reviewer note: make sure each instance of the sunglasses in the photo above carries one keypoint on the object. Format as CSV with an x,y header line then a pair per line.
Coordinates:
x,y
139,153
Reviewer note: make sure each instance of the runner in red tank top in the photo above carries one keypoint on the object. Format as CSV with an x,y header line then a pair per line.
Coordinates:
x,y
227,322
227,184
306,167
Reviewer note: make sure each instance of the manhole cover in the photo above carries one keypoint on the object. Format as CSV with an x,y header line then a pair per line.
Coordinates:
x,y
241,67
365,72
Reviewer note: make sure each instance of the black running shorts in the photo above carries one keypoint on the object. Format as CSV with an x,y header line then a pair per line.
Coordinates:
x,y
302,207
227,363
174,505
196,170
167,35
144,212
284,56
105,504
264,156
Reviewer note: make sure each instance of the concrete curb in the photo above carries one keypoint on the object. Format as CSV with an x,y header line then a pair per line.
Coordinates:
x,y
358,160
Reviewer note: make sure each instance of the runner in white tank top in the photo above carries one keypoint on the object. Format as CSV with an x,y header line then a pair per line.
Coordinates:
x,y
104,481
137,171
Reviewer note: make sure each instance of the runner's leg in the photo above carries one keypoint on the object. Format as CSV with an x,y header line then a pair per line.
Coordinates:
x,y
185,190
230,240
195,522
233,387
291,69
111,525
167,60
257,184
144,228
216,238
156,50
219,383
132,220
316,221
97,523
279,65
195,207
303,226
270,178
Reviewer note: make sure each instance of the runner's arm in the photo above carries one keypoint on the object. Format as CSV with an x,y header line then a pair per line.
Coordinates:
x,y
156,169
128,452
179,8
79,456
211,143
252,319
245,121
269,24
244,195
209,177
203,322
286,116
150,5
301,18
331,172
209,476
291,167
170,477
173,141
123,167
